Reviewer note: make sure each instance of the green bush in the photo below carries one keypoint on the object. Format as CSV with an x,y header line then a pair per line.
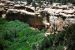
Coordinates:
x,y
70,37
17,35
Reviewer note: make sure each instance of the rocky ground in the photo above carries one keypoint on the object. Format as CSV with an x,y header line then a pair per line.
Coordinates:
x,y
52,17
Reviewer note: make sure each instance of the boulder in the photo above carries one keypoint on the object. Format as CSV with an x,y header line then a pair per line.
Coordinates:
x,y
29,17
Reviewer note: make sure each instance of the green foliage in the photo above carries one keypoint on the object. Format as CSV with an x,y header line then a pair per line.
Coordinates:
x,y
70,37
60,47
17,35
2,21
53,42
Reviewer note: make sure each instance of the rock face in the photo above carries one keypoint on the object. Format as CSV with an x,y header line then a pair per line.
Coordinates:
x,y
31,18
1,9
60,17
52,17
